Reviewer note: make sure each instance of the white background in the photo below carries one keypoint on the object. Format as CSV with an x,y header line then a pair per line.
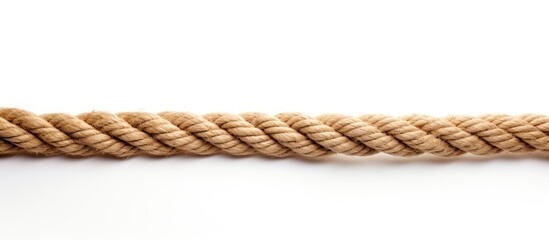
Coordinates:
x,y
351,57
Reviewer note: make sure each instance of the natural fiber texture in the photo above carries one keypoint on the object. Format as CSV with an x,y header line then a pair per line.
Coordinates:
x,y
169,133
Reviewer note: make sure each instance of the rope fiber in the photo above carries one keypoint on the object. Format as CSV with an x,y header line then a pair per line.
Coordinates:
x,y
169,133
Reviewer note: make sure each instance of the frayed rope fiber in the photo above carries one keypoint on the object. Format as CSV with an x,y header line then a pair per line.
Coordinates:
x,y
169,133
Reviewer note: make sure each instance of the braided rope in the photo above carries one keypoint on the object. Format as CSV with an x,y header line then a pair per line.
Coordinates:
x,y
169,133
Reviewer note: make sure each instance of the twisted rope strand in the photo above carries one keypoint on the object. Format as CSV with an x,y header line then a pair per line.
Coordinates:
x,y
168,133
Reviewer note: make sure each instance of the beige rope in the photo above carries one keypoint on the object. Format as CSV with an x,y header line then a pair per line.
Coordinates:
x,y
169,133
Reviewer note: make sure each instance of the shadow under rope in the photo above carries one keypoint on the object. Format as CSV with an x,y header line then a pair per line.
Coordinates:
x,y
380,158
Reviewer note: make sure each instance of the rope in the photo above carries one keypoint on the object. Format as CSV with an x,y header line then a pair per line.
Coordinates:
x,y
169,133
